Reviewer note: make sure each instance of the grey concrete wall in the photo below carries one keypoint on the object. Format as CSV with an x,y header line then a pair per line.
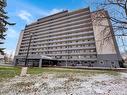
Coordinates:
x,y
107,60
106,46
19,43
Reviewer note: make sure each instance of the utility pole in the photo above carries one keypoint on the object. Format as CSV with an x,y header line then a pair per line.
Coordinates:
x,y
24,69
28,50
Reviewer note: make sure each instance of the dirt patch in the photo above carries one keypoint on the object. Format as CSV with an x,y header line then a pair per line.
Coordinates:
x,y
65,84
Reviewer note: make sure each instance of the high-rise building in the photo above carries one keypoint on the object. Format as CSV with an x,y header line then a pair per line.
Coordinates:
x,y
67,38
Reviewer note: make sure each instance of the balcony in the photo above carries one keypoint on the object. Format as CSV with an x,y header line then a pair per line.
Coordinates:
x,y
65,36
58,23
48,31
66,54
64,18
68,31
71,39
65,44
73,48
83,59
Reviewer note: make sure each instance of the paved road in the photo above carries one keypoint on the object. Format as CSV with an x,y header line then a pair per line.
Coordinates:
x,y
1,64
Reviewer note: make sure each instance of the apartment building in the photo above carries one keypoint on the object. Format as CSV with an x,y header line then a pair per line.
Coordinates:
x,y
68,39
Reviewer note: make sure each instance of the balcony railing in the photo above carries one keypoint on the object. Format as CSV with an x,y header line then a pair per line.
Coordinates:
x,y
87,53
60,31
81,59
72,39
70,49
58,20
65,36
65,21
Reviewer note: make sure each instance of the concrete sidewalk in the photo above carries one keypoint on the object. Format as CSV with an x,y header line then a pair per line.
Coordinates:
x,y
1,64
92,68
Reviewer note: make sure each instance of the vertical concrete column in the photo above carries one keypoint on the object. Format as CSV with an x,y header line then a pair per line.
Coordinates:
x,y
14,62
40,63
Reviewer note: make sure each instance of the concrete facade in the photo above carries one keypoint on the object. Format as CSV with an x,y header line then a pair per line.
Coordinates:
x,y
106,46
19,43
69,39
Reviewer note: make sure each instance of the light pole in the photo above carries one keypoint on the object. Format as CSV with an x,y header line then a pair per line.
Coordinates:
x,y
27,54
24,69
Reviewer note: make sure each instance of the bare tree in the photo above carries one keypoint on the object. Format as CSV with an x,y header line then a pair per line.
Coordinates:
x,y
117,10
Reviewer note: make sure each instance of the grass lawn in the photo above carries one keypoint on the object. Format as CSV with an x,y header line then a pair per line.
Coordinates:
x,y
65,81
36,70
9,72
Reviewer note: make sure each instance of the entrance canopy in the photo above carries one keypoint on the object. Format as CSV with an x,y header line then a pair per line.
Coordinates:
x,y
36,56
46,57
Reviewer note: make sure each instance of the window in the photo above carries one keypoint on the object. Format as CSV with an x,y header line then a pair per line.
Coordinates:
x,y
87,56
112,62
101,62
77,41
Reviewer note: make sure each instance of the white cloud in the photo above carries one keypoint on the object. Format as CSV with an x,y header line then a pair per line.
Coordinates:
x,y
46,12
11,33
53,11
10,52
10,41
26,16
32,9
